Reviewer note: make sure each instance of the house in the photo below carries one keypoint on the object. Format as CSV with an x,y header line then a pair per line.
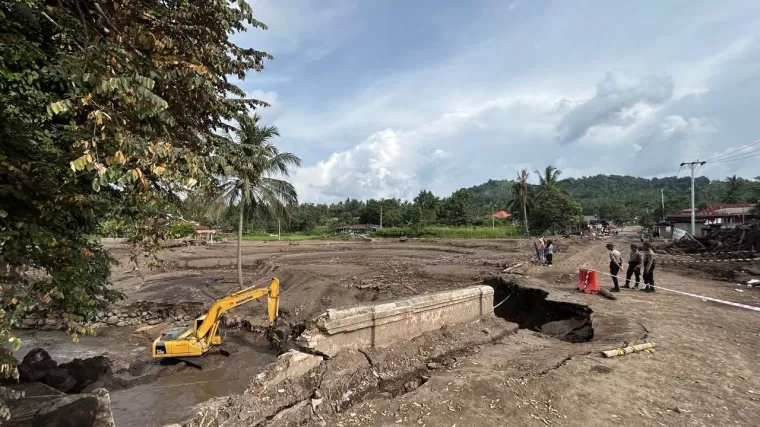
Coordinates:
x,y
593,222
713,216
499,215
357,229
664,229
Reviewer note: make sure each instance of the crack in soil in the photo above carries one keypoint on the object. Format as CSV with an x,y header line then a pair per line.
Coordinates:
x,y
558,365
646,331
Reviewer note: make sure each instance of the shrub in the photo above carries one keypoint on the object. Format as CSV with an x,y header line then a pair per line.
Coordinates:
x,y
180,229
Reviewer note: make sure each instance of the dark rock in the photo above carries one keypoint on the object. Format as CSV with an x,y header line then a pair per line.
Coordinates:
x,y
70,411
87,371
35,365
433,366
36,355
60,379
137,368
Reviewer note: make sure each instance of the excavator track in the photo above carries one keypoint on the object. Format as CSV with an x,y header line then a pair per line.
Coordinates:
x,y
196,362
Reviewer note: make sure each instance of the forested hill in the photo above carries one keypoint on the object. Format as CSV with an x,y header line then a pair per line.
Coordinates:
x,y
623,197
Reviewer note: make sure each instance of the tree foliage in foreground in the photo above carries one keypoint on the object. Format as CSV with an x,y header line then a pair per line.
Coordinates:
x,y
107,109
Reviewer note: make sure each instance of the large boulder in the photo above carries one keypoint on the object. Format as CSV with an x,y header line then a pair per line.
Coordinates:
x,y
87,371
35,365
72,377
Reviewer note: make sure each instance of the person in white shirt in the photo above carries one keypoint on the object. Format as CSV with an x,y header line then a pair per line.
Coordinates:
x,y
649,264
549,252
616,263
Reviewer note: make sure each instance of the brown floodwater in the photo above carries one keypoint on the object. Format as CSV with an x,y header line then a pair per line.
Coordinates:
x,y
170,399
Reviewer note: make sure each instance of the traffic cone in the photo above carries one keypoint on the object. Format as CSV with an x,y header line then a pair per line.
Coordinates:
x,y
582,276
592,285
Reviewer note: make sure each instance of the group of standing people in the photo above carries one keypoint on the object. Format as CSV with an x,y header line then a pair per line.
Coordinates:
x,y
638,260
545,251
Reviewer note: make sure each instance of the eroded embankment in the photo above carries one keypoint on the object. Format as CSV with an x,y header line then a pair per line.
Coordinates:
x,y
300,387
529,308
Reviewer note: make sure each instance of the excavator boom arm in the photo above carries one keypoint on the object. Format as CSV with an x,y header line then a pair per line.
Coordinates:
x,y
239,298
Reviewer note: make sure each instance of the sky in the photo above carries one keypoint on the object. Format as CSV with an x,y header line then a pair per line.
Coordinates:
x,y
384,98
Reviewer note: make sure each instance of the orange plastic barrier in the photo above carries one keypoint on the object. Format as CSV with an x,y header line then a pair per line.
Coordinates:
x,y
582,273
587,281
592,286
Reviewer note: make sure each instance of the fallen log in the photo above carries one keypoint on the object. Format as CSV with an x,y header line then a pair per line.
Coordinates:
x,y
411,288
628,350
508,269
607,294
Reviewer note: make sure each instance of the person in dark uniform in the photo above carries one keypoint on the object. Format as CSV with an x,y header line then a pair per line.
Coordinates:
x,y
634,267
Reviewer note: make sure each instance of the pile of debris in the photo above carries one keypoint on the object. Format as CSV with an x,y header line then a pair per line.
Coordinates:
x,y
745,237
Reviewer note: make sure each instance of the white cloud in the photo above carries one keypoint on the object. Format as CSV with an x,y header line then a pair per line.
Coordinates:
x,y
379,105
616,98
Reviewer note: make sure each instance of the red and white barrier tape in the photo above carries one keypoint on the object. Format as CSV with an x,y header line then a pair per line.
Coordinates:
x,y
702,297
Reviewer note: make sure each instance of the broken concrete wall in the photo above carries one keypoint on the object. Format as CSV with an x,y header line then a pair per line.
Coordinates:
x,y
382,324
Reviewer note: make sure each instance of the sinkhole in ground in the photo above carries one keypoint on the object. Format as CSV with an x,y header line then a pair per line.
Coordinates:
x,y
529,309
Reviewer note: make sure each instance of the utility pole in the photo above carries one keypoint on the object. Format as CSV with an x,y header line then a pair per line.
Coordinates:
x,y
278,229
692,166
662,197
493,219
381,216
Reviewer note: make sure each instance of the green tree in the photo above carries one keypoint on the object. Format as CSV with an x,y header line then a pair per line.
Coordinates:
x,y
555,212
457,209
105,109
548,180
734,189
521,196
426,205
251,164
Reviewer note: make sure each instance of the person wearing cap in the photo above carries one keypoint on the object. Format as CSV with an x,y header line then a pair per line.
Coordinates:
x,y
649,264
634,267
616,263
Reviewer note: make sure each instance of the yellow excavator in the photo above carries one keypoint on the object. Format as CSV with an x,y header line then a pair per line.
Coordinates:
x,y
187,342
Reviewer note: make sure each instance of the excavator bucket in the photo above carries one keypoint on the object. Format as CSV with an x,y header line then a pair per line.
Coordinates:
x,y
278,335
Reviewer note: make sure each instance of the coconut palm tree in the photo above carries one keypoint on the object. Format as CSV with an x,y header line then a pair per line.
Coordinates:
x,y
520,196
733,190
548,179
252,166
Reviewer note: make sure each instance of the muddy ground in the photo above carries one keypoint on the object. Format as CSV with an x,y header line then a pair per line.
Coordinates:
x,y
704,371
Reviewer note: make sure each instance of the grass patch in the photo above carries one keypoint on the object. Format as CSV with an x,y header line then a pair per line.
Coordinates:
x,y
449,232
284,236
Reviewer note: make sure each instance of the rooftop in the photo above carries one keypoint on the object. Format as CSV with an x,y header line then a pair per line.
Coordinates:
x,y
724,209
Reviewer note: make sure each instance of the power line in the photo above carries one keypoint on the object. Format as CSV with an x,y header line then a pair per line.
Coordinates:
x,y
738,158
735,151
742,156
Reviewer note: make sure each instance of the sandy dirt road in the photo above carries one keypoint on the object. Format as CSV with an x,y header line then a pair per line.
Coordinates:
x,y
704,372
